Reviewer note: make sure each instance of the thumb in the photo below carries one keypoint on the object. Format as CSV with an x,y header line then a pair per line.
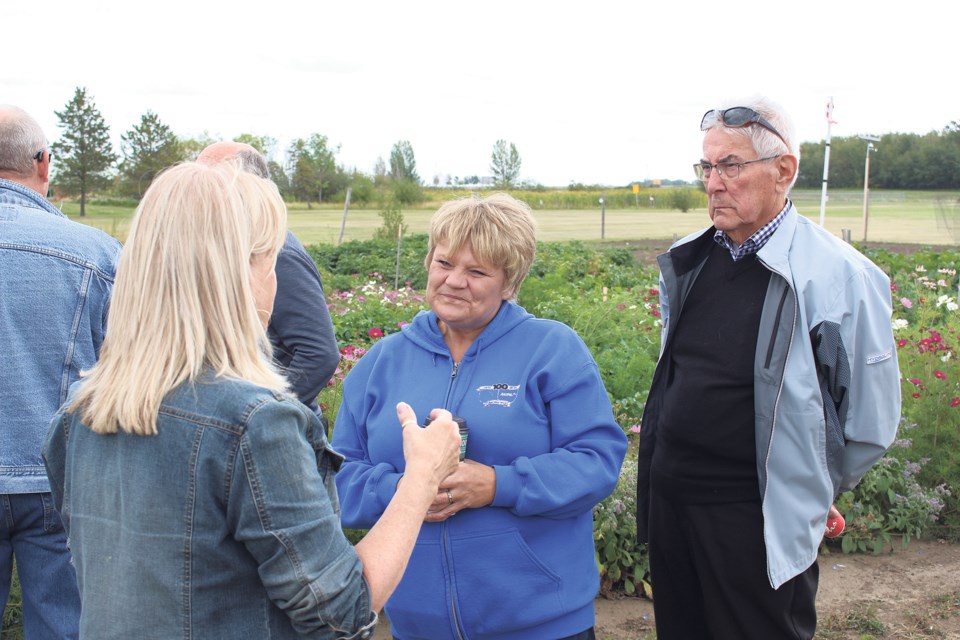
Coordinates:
x,y
406,416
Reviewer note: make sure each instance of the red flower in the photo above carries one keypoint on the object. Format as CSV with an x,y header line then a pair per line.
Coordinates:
x,y
955,402
940,375
375,333
916,395
901,342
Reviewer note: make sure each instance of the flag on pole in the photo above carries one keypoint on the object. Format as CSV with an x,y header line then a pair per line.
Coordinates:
x,y
830,119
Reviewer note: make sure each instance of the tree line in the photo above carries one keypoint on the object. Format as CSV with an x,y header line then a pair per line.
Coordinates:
x,y
87,164
906,161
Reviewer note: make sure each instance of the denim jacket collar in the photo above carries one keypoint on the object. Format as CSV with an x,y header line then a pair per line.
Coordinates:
x,y
15,193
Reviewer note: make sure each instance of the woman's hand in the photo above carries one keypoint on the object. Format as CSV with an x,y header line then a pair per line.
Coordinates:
x,y
471,486
432,451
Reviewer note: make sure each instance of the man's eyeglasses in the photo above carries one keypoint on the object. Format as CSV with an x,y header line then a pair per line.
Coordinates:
x,y
738,117
726,170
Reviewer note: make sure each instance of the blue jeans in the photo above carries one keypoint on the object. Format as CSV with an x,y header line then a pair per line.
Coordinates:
x,y
31,530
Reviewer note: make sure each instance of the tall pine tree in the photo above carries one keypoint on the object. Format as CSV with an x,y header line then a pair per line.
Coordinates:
x,y
148,148
84,152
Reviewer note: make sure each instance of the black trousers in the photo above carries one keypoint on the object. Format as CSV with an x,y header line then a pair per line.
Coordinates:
x,y
708,570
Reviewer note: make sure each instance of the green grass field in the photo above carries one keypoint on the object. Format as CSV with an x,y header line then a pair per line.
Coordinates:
x,y
902,217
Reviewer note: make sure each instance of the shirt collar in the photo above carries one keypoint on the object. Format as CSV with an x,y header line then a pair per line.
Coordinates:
x,y
756,241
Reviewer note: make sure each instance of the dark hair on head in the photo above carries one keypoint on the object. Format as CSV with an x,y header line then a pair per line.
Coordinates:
x,y
253,162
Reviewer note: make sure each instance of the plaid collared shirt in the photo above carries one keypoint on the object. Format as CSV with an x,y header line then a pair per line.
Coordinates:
x,y
756,241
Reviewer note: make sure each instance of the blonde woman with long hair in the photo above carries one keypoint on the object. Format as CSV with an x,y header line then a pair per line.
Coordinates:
x,y
197,493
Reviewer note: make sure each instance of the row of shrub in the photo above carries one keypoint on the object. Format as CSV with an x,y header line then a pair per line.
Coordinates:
x,y
612,302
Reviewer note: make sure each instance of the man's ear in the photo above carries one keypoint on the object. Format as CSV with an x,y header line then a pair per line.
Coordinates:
x,y
43,171
787,167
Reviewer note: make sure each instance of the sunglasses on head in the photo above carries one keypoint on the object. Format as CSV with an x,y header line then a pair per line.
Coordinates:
x,y
738,117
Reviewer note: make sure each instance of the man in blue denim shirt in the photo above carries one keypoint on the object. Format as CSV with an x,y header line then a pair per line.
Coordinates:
x,y
55,282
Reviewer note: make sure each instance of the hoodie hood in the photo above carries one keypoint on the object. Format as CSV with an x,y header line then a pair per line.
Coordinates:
x,y
425,333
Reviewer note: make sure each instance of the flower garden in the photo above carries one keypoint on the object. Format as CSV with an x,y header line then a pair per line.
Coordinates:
x,y
612,302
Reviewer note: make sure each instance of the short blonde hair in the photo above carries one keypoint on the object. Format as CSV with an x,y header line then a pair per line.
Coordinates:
x,y
500,230
182,301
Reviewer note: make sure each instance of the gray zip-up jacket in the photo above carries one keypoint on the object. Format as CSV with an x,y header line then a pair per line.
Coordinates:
x,y
827,384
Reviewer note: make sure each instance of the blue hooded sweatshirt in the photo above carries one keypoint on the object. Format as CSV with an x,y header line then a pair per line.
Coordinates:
x,y
538,413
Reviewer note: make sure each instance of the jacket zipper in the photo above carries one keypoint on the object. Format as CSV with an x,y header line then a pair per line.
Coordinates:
x,y
446,552
776,325
453,602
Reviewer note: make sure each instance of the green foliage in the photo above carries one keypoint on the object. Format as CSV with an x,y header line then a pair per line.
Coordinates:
x,y
902,161
313,170
192,147
84,151
504,164
264,144
362,189
684,198
393,223
342,265
12,628
889,500
406,191
403,165
621,561
148,148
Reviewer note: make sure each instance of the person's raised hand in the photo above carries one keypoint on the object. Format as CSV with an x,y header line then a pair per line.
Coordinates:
x,y
433,451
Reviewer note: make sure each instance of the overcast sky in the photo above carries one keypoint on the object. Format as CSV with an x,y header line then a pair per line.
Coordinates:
x,y
593,92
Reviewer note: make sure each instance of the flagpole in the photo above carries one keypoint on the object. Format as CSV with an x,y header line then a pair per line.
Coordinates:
x,y
826,163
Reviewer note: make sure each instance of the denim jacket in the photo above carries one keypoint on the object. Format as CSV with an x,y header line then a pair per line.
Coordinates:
x,y
55,277
223,525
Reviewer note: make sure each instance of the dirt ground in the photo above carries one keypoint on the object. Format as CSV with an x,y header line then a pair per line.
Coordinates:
x,y
913,592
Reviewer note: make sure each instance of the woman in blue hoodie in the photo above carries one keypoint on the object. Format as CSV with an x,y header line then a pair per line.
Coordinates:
x,y
506,550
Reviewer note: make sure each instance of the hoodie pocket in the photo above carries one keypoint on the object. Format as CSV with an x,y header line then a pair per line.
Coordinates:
x,y
501,584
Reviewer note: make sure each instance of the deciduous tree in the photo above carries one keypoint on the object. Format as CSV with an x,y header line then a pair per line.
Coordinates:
x,y
403,165
84,152
504,164
312,167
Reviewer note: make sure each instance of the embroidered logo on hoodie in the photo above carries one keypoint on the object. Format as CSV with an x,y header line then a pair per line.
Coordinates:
x,y
500,394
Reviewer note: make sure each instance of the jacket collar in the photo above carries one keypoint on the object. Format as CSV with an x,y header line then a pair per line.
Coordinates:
x,y
15,193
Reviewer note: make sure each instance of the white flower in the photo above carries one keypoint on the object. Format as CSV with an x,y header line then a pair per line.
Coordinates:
x,y
952,306
921,268
900,323
946,357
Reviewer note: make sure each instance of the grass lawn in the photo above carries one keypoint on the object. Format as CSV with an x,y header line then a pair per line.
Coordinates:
x,y
893,217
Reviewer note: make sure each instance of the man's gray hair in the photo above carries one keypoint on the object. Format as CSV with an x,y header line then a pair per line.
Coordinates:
x,y
253,162
20,139
765,142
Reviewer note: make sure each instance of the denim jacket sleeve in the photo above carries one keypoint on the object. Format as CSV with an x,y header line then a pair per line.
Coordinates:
x,y
282,507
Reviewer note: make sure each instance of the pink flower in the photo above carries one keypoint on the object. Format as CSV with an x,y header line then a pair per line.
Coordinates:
x,y
635,428
901,342
914,381
375,333
955,402
940,375
906,303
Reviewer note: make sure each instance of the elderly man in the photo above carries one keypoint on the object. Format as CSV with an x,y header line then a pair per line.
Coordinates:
x,y
55,277
300,329
777,388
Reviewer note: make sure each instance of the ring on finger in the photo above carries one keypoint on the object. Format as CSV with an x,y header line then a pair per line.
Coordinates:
x,y
449,497
406,424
